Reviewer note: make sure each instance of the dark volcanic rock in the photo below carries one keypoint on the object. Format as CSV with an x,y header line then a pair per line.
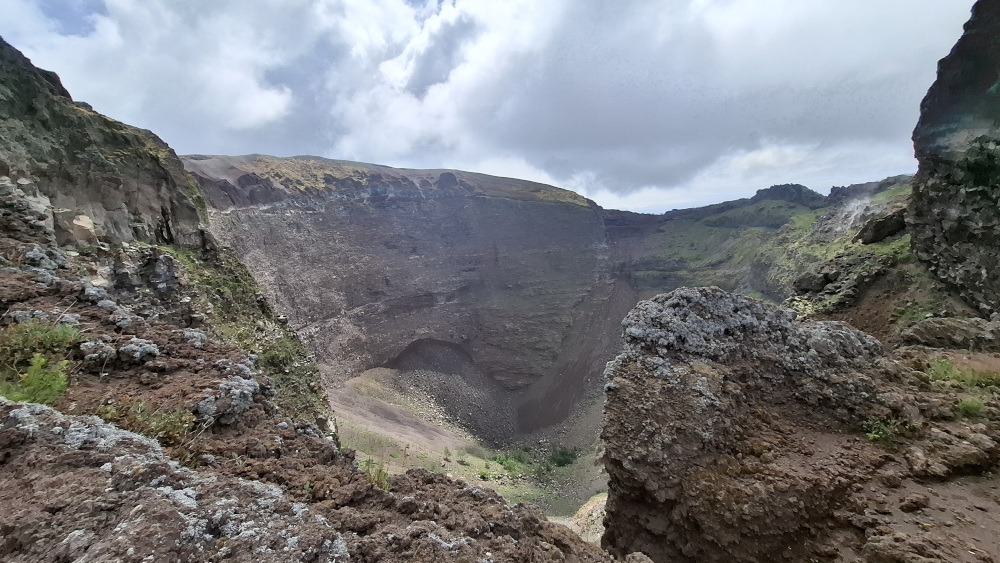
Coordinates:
x,y
881,228
955,209
731,433
690,390
969,334
87,167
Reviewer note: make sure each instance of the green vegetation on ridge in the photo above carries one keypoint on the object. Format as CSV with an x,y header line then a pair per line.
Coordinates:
x,y
242,318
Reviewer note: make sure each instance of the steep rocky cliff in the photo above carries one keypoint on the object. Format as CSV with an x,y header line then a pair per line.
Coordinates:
x,y
99,179
375,266
955,211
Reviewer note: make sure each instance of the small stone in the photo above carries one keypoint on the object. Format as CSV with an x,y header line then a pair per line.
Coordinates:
x,y
914,502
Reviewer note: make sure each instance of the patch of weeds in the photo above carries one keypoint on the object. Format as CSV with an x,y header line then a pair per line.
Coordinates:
x,y
880,431
476,450
944,369
170,428
888,431
541,471
41,383
509,464
969,407
513,460
33,364
376,473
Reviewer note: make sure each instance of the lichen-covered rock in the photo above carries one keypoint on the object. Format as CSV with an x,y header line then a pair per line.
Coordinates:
x,y
703,382
233,397
138,350
104,494
955,209
97,352
836,283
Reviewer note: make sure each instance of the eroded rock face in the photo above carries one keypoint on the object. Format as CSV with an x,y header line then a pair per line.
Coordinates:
x,y
101,178
955,210
368,260
697,418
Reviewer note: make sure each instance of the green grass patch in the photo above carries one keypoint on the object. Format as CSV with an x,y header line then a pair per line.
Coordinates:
x,y
898,248
969,407
898,193
169,428
33,360
768,214
944,369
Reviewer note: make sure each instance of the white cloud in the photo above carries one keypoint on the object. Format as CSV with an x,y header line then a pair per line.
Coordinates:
x,y
638,104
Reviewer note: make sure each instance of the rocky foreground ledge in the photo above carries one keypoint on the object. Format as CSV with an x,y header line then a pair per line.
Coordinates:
x,y
74,488
734,432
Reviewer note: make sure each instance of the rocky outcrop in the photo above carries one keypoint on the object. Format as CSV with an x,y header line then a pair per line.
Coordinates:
x,y
836,283
965,334
791,193
94,178
955,210
728,434
880,228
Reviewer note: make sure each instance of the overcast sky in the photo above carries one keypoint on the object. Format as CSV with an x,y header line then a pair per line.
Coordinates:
x,y
642,105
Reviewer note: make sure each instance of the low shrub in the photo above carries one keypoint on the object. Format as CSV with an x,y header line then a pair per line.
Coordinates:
x,y
563,456
969,407
33,364
888,430
43,382
376,473
169,428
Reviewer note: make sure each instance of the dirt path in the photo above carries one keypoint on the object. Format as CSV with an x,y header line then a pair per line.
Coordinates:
x,y
394,422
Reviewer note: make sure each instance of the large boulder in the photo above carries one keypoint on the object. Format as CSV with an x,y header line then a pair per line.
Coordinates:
x,y
701,408
957,333
955,209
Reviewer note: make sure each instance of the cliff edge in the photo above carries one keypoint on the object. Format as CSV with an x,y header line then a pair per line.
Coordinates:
x,y
955,210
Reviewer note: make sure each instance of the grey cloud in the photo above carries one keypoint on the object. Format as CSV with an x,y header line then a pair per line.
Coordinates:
x,y
624,95
442,56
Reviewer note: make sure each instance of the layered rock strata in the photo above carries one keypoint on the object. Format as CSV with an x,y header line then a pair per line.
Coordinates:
x,y
955,210
374,264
